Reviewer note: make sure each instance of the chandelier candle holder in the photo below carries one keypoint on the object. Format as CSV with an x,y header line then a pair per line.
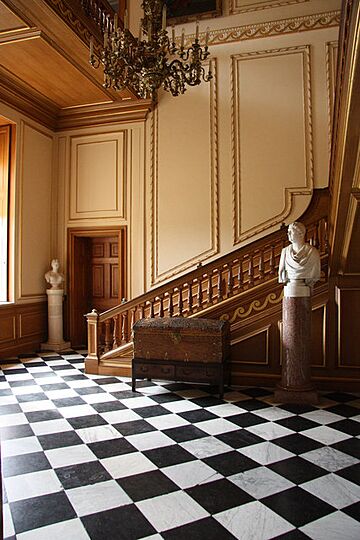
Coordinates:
x,y
153,59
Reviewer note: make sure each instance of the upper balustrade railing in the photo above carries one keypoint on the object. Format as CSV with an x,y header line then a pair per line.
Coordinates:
x,y
199,290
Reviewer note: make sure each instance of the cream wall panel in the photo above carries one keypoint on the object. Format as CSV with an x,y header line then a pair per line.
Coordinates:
x,y
245,6
97,176
184,183
272,136
35,209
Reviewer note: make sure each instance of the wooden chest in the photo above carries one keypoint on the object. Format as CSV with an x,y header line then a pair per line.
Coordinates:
x,y
181,349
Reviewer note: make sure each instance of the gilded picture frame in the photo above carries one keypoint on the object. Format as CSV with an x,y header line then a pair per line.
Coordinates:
x,y
182,11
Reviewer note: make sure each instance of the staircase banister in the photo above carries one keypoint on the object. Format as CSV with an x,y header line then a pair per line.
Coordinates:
x,y
315,212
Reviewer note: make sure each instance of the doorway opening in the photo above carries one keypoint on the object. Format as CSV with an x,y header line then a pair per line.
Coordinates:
x,y
97,276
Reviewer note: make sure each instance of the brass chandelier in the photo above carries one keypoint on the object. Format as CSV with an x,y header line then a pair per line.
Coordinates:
x,y
153,59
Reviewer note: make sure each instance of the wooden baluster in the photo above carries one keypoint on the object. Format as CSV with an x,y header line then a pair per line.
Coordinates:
x,y
219,286
181,303
316,236
210,290
142,311
115,332
251,270
108,335
190,299
230,283
240,274
272,261
261,265
199,295
171,305
151,309
124,329
132,320
161,307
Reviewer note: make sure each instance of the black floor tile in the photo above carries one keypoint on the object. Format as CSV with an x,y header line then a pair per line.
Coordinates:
x,y
68,402
297,423
27,463
168,455
165,397
89,420
79,377
16,432
297,470
351,427
11,408
14,371
219,495
344,410
40,511
298,506
230,463
246,419
110,448
184,433
353,511
107,380
108,406
239,438
349,446
342,397
55,386
203,529
199,415
124,523
292,535
20,384
26,398
148,412
297,408
134,427
351,473
207,401
147,485
89,390
297,443
59,440
82,474
251,404
255,392
43,416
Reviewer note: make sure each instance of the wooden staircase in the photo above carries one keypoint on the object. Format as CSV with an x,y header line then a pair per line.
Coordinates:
x,y
238,286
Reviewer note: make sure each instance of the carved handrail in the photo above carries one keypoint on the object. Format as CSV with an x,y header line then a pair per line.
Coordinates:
x,y
206,286
101,13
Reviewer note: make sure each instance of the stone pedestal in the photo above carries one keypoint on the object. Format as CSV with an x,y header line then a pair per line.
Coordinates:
x,y
55,340
296,385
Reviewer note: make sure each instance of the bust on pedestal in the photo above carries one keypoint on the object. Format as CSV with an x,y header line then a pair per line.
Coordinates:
x,y
299,270
55,295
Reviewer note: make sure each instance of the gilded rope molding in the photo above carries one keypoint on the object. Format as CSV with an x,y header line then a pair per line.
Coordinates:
x,y
272,28
256,305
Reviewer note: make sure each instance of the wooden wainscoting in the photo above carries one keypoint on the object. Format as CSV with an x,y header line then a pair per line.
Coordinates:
x,y
23,327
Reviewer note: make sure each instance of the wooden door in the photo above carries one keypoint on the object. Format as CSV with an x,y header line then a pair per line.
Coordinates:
x,y
106,282
97,277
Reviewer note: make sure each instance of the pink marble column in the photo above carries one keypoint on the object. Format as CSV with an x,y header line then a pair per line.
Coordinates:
x,y
296,385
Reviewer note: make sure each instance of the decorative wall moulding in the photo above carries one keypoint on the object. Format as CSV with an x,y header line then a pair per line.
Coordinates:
x,y
156,276
305,138
274,28
241,6
332,48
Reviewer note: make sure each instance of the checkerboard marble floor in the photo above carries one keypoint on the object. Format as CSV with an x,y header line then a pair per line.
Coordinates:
x,y
84,457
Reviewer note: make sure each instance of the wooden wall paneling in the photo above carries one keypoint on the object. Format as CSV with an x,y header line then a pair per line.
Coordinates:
x,y
23,327
348,327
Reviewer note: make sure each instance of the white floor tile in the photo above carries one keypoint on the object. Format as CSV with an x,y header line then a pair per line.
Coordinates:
x,y
98,433
269,431
180,406
329,458
70,455
226,409
82,383
7,400
167,421
101,397
253,521
134,403
261,482
265,453
190,474
152,439
325,435
76,410
322,416
22,390
7,522
61,394
51,426
171,510
117,417
97,497
42,405
217,425
15,419
334,490
336,526
206,447
127,465
33,484
19,377
72,529
273,413
17,447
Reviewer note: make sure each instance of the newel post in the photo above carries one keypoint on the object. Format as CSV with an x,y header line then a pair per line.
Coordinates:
x,y
93,357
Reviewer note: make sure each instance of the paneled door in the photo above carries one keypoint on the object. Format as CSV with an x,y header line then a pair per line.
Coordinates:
x,y
97,276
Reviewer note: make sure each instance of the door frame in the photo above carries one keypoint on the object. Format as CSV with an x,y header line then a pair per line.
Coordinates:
x,y
93,232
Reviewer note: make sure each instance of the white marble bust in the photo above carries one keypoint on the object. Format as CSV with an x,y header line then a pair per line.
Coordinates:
x,y
299,261
54,277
